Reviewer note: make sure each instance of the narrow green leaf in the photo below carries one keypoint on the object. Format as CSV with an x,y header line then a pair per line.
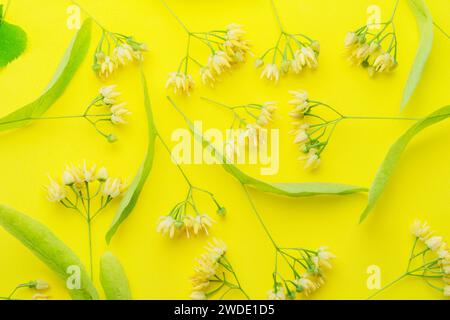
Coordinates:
x,y
425,25
387,167
132,195
113,278
284,189
72,59
13,42
48,248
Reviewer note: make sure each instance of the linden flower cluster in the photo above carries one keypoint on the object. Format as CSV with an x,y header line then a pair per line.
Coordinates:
x,y
84,183
299,52
116,112
186,217
308,268
308,136
253,131
227,48
37,285
214,273
439,265
375,52
429,260
86,190
115,50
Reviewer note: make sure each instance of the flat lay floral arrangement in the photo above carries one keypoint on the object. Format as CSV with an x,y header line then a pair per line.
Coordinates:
x,y
261,149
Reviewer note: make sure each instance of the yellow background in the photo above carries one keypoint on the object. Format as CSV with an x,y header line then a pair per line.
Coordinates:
x,y
159,268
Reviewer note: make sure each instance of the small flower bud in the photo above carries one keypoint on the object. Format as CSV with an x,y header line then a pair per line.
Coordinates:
x,y
222,211
68,178
102,174
259,63
316,46
111,138
39,285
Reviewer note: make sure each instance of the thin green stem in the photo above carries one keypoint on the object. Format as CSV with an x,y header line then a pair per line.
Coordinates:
x,y
441,30
183,173
277,16
3,17
88,13
175,16
88,214
412,253
388,285
394,11
255,210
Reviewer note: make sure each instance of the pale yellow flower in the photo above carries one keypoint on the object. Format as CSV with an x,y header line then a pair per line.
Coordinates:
x,y
112,187
198,295
109,94
312,159
266,115
124,53
207,76
102,174
118,113
419,229
39,296
434,243
202,222
447,291
167,225
107,65
271,72
180,82
219,62
351,39
305,284
56,192
278,294
384,62
41,285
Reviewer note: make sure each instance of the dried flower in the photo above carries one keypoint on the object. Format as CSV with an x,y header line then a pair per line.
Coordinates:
x,y
271,72
277,294
87,192
180,82
213,272
108,58
118,112
56,192
431,263
292,52
366,49
109,94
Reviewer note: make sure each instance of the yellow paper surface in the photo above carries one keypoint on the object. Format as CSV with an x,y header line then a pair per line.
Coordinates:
x,y
159,268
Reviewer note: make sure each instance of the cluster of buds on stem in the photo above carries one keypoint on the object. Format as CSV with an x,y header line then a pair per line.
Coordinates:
x,y
312,131
116,111
227,48
80,185
214,273
377,52
187,218
292,53
435,258
37,285
115,50
307,267
249,126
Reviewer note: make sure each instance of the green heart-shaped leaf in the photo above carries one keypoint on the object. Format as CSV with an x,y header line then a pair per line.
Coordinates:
x,y
13,41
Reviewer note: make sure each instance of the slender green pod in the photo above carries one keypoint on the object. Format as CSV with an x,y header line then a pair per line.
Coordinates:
x,y
393,156
131,197
74,56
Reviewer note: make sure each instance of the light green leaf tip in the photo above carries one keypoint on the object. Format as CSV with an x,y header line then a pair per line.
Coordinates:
x,y
48,248
70,63
284,189
131,197
13,41
113,278
387,167
425,25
